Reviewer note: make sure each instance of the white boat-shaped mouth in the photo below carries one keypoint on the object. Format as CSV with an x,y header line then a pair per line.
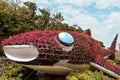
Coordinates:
x,y
21,53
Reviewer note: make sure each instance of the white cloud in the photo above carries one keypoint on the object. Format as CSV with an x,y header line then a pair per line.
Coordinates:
x,y
103,4
85,20
68,10
75,2
113,24
113,20
100,4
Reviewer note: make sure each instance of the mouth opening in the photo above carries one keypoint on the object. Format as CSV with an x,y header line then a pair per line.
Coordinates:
x,y
21,53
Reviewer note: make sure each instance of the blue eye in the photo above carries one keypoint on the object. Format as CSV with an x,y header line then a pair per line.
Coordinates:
x,y
65,38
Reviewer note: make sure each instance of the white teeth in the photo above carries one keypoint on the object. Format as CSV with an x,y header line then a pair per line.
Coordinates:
x,y
21,53
105,70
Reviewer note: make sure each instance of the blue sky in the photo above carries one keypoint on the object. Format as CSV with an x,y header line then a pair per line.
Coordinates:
x,y
101,16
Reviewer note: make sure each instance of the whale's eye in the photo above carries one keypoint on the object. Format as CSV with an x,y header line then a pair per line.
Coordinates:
x,y
65,38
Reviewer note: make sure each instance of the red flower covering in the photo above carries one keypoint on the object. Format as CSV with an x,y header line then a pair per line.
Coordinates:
x,y
43,40
85,48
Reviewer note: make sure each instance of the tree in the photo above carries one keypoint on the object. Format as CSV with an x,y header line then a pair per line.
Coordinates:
x,y
44,19
12,20
53,21
32,17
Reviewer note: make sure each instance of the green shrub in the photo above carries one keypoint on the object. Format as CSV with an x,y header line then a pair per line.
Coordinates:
x,y
88,75
13,71
117,59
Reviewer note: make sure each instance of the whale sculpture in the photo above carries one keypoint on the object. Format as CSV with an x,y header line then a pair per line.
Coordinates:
x,y
60,51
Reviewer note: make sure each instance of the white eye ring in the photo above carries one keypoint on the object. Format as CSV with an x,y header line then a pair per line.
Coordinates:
x,y
65,38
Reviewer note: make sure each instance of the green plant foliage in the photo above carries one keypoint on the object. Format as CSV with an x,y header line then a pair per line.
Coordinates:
x,y
13,71
88,75
117,59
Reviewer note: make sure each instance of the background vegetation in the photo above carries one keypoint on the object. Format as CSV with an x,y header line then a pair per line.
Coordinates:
x,y
16,71
88,75
13,72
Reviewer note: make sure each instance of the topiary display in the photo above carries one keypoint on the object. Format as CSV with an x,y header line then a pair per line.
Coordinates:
x,y
53,46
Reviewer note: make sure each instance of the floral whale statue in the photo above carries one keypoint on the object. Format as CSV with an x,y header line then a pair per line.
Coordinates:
x,y
60,51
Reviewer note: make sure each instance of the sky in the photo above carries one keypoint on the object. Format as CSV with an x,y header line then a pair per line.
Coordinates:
x,y
101,16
